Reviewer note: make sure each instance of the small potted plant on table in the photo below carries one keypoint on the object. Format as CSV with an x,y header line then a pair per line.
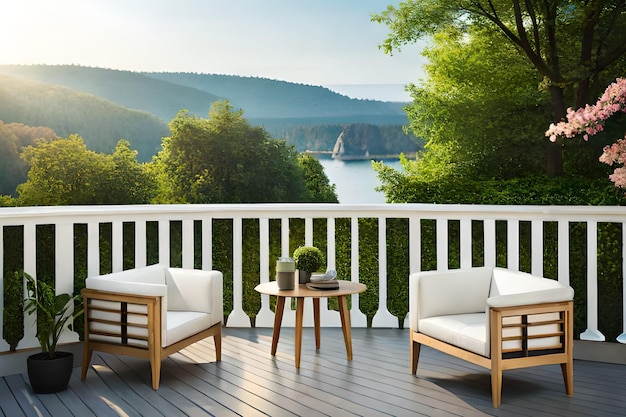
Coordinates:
x,y
50,370
308,260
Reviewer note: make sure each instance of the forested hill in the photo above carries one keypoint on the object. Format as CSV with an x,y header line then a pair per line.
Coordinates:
x,y
104,105
272,99
99,122
277,105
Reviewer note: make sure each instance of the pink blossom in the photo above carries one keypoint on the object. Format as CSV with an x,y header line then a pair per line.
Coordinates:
x,y
590,119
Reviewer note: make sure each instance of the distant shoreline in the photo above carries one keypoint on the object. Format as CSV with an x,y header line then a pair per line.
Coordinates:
x,y
329,155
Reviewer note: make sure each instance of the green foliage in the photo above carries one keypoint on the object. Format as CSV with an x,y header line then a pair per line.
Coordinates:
x,y
53,312
101,122
65,172
308,258
479,125
13,314
223,159
317,184
13,138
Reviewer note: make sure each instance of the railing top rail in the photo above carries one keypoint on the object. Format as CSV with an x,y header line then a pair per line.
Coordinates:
x,y
277,210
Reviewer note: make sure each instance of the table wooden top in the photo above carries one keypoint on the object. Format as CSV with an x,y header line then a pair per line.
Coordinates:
x,y
301,290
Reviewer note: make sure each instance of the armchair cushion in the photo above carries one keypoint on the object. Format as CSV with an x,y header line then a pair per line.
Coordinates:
x,y
531,319
152,312
181,290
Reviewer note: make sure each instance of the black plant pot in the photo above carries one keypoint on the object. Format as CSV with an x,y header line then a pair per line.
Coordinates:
x,y
304,277
50,375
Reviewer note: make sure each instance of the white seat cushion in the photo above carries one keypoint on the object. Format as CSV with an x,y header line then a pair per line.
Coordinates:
x,y
466,331
182,324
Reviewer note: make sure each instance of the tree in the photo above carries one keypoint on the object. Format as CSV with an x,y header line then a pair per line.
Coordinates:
x,y
479,117
13,137
591,120
65,172
571,44
319,190
223,159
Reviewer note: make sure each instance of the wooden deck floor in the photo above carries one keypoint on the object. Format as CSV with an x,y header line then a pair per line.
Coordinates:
x,y
377,382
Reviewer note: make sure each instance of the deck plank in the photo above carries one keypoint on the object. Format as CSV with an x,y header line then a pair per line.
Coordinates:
x,y
377,382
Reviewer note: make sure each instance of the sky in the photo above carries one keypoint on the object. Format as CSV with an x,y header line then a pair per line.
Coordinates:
x,y
331,43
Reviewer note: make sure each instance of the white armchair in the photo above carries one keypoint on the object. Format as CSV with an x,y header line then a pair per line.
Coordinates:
x,y
496,318
152,312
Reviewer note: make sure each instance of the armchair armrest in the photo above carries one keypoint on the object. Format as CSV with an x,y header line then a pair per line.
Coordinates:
x,y
552,295
104,283
122,318
196,290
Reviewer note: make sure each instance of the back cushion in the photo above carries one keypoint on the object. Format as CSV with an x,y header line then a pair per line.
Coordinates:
x,y
153,274
507,282
461,291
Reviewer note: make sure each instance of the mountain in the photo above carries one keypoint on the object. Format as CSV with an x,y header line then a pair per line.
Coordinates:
x,y
139,105
262,98
129,89
275,104
99,122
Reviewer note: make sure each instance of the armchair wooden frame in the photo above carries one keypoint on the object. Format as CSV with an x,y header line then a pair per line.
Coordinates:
x,y
503,359
152,349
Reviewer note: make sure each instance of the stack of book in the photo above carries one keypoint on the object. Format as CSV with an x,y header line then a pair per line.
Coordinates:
x,y
325,281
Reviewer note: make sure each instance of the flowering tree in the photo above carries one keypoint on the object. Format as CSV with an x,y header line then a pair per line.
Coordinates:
x,y
590,120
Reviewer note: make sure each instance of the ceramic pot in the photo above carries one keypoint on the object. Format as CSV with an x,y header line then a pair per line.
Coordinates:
x,y
50,375
304,277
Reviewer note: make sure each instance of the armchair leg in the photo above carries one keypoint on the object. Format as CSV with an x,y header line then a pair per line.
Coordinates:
x,y
415,353
217,339
496,386
155,366
567,369
86,359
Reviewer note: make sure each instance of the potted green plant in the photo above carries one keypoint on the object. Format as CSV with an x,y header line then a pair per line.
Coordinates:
x,y
308,260
50,370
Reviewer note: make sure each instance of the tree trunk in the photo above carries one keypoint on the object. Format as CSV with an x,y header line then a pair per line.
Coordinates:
x,y
554,151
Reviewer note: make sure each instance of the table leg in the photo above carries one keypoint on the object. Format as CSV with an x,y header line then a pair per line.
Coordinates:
x,y
299,316
278,319
316,321
345,324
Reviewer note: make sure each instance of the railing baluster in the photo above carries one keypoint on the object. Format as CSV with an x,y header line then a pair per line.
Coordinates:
x,y
141,252
238,317
93,248
188,244
622,337
4,346
512,244
207,243
356,316
563,248
415,246
592,332
265,316
329,317
383,318
536,234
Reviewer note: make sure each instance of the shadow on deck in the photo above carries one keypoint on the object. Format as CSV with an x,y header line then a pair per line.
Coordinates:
x,y
377,382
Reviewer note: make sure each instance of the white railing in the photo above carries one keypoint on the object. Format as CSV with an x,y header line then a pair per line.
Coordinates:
x,y
64,219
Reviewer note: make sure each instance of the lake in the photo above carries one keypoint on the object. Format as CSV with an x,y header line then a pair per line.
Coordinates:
x,y
355,180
